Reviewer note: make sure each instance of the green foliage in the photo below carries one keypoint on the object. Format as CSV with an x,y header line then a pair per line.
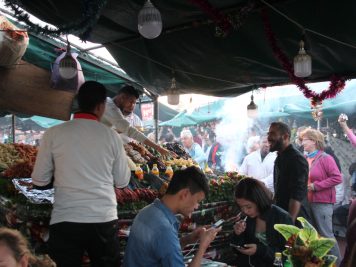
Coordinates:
x,y
321,246
305,244
308,234
329,260
286,230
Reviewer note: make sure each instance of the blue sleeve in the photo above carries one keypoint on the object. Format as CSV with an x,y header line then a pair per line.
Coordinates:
x,y
170,250
199,154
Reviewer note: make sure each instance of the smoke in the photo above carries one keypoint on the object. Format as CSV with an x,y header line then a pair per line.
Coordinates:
x,y
231,132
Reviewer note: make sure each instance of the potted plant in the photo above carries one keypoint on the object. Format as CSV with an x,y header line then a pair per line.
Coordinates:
x,y
305,248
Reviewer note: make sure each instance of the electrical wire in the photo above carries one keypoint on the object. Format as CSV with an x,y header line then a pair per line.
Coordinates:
x,y
307,29
191,250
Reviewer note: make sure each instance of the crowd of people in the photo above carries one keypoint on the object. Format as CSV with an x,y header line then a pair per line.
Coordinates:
x,y
85,160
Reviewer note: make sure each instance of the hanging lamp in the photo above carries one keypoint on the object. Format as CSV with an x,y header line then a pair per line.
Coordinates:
x,y
68,67
149,21
302,63
172,94
252,109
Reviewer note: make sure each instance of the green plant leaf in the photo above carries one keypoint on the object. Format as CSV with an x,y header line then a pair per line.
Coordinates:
x,y
305,223
321,246
299,241
329,260
308,234
286,230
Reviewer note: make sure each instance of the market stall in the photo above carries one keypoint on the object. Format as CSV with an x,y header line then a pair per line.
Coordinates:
x,y
25,208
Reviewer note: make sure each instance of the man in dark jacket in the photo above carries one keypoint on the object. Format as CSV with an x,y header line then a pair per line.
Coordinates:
x,y
290,171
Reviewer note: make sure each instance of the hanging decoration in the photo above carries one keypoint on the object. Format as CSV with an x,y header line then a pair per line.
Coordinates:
x,y
13,43
82,26
317,112
225,23
336,85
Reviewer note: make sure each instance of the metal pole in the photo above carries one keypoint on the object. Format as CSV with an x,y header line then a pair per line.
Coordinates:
x,y
155,116
13,117
318,125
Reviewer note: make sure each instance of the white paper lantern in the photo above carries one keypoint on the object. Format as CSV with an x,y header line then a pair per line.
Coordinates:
x,y
149,21
302,63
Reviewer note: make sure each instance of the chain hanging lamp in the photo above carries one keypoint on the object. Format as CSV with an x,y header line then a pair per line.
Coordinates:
x,y
252,109
302,63
68,67
149,21
172,94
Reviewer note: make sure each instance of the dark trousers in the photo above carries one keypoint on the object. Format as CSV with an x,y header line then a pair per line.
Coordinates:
x,y
68,241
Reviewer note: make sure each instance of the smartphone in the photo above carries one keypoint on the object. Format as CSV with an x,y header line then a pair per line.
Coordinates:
x,y
218,223
238,247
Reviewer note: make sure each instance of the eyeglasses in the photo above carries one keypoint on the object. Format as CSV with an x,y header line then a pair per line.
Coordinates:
x,y
306,139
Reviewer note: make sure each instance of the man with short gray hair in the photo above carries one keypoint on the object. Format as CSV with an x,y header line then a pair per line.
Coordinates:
x,y
192,148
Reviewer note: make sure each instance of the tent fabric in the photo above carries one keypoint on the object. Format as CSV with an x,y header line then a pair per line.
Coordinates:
x,y
222,66
43,121
180,120
43,54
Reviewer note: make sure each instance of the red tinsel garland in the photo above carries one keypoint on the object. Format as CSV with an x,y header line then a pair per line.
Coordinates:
x,y
219,19
225,23
336,85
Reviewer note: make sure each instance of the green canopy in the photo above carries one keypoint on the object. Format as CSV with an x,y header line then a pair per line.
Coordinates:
x,y
43,121
272,114
180,120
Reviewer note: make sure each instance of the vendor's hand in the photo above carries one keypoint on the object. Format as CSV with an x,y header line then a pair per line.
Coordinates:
x,y
249,249
165,152
207,236
239,227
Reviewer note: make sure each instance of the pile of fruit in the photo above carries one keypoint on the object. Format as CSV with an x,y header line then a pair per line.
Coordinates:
x,y
124,195
139,154
222,188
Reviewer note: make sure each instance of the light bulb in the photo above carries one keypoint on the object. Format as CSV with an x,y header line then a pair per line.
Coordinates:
x,y
252,109
149,21
302,63
68,68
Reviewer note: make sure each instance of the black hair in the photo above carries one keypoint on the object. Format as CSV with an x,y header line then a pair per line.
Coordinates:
x,y
129,90
90,95
282,128
256,192
192,178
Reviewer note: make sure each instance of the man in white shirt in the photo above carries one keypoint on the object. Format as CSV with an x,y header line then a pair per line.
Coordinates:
x,y
260,163
135,122
87,160
123,104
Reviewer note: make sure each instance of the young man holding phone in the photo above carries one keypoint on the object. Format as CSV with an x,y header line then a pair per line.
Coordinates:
x,y
153,239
